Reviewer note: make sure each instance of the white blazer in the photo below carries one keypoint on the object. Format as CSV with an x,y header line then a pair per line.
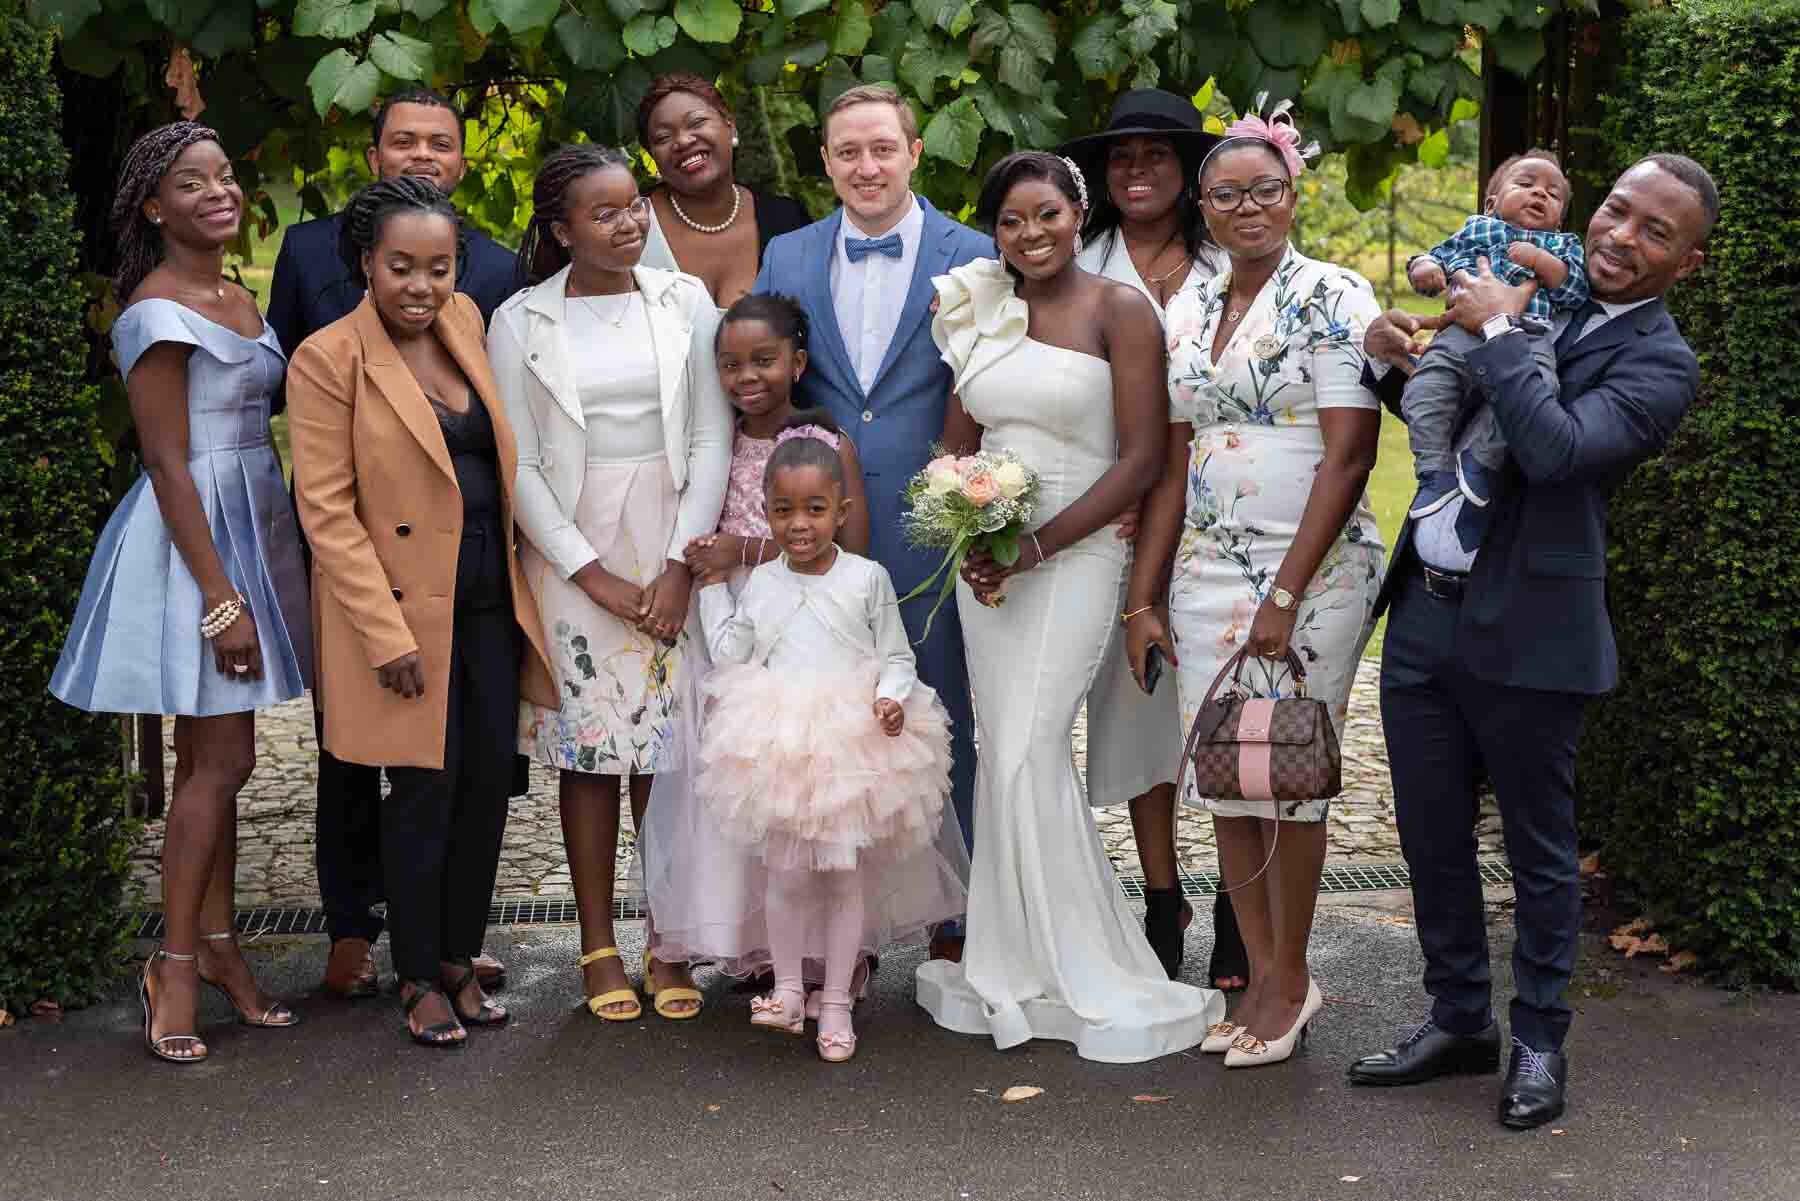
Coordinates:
x,y
528,349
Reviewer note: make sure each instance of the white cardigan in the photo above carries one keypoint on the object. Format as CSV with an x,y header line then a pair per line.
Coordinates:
x,y
529,352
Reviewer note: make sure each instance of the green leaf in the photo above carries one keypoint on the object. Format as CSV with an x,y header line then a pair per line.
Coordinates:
x,y
878,69
183,18
851,28
952,16
646,33
624,10
1517,50
1350,13
1030,46
794,9
1433,41
834,81
709,20
1374,103
335,19
88,53
482,17
995,111
605,106
1380,13
1148,22
591,40
401,56
1040,123
954,132
894,25
522,15
229,27
1097,49
68,16
765,68
926,59
342,81
1434,151
1285,34
422,10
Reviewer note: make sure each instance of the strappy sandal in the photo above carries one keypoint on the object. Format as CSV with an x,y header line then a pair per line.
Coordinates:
x,y
444,1034
489,1014
159,1047
276,1017
1230,958
1163,911
674,992
618,996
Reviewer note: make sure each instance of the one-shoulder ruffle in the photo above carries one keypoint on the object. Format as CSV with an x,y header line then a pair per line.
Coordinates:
x,y
980,319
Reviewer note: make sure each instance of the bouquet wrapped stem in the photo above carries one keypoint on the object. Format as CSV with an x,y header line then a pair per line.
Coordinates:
x,y
961,503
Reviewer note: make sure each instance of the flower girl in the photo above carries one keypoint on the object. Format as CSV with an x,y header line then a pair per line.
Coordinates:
x,y
821,754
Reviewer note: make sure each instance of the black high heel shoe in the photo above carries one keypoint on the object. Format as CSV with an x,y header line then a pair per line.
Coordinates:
x,y
1229,957
1163,926
489,1013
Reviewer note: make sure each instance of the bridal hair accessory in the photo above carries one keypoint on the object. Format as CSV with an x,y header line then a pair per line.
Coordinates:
x,y
1080,182
1277,130
803,431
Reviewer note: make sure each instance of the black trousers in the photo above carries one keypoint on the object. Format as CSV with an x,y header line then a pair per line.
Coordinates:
x,y
1443,728
441,830
347,844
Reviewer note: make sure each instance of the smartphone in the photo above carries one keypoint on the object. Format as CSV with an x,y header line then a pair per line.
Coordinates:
x,y
1153,668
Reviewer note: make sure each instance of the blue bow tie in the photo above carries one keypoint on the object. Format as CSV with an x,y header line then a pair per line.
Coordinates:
x,y
858,249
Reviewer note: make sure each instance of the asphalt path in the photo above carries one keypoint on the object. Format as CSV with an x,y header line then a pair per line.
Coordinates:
x,y
1678,1091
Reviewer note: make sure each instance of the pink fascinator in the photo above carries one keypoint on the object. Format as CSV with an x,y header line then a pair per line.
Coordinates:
x,y
1277,130
804,431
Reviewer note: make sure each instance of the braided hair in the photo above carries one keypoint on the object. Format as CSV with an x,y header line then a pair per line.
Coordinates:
x,y
780,313
140,244
369,210
540,254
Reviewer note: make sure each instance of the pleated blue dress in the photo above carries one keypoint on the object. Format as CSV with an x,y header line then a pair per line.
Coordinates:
x,y
134,645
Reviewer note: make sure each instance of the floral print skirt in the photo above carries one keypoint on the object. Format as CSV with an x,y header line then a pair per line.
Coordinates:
x,y
620,688
1247,487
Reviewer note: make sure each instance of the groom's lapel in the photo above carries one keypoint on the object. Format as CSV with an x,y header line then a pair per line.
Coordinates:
x,y
827,339
936,236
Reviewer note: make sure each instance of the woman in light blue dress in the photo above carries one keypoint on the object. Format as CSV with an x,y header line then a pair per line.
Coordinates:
x,y
195,604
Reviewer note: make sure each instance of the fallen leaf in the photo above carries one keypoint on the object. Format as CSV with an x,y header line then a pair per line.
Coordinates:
x,y
1021,1092
47,1010
712,1109
1637,925
1680,961
1348,1179
1656,944
981,1090
186,84
1407,127
845,1127
6,1019
1559,1132
1150,1099
1590,864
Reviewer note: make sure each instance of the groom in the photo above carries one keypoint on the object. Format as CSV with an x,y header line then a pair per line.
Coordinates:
x,y
864,277
1493,650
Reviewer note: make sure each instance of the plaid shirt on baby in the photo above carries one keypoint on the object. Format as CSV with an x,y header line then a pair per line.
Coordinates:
x,y
1490,236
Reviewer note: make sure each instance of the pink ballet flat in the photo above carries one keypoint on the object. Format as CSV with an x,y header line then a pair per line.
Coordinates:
x,y
776,1012
837,1046
859,990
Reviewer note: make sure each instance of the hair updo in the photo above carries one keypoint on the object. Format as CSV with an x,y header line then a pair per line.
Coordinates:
x,y
1015,169
369,210
140,244
540,254
782,314
806,451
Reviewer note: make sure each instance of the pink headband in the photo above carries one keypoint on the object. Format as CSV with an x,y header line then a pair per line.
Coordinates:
x,y
803,431
1277,130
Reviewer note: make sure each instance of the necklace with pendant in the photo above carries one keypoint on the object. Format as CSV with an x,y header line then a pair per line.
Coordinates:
x,y
616,322
737,205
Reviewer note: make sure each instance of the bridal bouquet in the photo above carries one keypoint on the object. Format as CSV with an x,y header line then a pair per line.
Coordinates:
x,y
959,503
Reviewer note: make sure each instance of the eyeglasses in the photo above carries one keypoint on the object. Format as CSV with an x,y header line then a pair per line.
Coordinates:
x,y
610,218
1266,193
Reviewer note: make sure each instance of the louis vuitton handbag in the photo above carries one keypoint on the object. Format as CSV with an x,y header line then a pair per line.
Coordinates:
x,y
1256,749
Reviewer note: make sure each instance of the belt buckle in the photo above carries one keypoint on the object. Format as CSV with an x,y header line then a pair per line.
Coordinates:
x,y
1443,585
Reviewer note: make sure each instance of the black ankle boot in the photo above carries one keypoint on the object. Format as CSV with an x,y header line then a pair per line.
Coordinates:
x,y
1162,926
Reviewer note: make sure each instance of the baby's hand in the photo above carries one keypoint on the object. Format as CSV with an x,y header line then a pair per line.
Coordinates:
x,y
1551,271
1426,276
891,716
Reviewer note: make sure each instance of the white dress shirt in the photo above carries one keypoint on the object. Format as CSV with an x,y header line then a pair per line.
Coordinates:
x,y
1434,537
869,295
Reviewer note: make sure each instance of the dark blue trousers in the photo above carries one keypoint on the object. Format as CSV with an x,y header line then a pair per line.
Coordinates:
x,y
1444,730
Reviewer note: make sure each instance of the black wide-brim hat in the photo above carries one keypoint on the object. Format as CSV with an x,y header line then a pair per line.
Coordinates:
x,y
1146,112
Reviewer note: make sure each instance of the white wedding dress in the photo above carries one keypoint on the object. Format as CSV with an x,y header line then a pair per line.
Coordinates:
x,y
1053,950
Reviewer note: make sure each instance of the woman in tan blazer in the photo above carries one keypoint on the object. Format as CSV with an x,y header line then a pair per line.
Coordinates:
x,y
427,633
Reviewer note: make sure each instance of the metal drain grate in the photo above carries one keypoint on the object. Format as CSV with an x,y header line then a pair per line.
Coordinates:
x,y
560,910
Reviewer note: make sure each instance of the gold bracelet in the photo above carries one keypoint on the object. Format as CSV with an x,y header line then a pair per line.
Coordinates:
x,y
1125,618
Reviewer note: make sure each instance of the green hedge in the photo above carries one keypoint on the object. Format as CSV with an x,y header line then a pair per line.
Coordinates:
x,y
63,837
1691,771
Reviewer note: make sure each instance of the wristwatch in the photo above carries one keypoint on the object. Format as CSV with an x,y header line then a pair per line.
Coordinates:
x,y
1282,599
1496,325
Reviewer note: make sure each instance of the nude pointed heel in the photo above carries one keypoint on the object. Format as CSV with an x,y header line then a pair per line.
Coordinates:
x,y
1252,1052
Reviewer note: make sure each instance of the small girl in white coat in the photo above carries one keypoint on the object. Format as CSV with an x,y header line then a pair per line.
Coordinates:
x,y
822,753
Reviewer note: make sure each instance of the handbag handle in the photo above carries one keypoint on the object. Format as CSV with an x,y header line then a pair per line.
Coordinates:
x,y
1237,661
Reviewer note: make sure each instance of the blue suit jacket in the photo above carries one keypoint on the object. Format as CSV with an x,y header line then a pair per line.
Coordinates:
x,y
895,424
312,285
1535,612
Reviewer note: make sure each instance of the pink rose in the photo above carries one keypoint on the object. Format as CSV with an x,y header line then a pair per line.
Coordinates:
x,y
981,489
941,463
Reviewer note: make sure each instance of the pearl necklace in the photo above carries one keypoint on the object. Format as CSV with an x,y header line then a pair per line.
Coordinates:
x,y
737,205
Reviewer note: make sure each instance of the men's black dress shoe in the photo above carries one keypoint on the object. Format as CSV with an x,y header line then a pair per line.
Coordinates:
x,y
1430,1052
1535,1082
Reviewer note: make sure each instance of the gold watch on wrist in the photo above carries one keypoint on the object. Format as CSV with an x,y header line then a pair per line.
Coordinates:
x,y
1284,600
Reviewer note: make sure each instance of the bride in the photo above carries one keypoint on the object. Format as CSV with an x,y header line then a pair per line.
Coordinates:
x,y
1064,369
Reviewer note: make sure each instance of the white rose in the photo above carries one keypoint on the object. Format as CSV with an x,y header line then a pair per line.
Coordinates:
x,y
1012,480
941,481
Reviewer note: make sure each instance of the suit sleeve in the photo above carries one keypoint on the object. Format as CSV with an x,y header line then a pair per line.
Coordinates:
x,y
1387,384
1628,416
321,421
284,313
540,518
709,436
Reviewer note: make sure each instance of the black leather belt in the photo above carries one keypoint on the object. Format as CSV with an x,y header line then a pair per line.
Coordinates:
x,y
1445,585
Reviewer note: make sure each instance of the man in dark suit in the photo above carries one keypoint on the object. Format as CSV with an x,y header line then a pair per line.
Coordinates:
x,y
416,133
1494,649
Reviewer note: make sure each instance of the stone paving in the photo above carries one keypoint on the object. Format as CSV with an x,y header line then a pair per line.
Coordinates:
x,y
275,826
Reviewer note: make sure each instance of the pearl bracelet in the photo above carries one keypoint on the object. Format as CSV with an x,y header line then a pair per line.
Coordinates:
x,y
223,616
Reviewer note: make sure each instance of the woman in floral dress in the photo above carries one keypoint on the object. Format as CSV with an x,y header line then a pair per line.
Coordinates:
x,y
1273,543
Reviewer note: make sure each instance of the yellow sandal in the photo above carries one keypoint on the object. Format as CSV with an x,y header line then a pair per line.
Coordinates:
x,y
673,993
618,996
